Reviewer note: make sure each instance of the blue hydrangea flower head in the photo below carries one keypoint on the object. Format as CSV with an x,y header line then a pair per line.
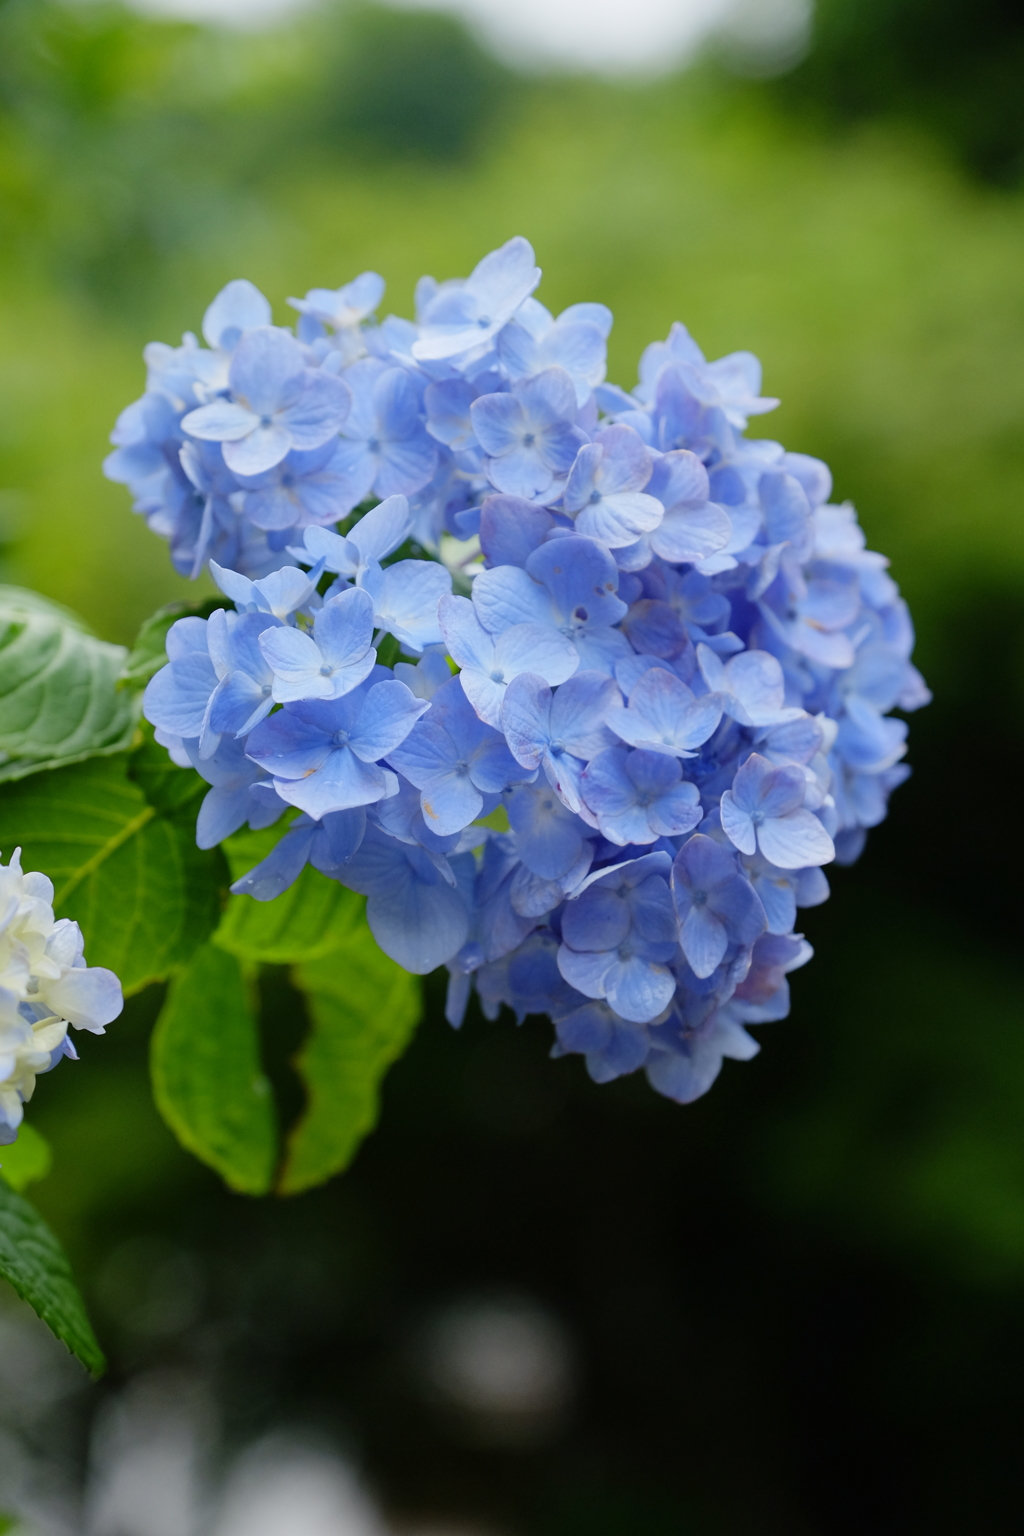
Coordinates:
x,y
642,669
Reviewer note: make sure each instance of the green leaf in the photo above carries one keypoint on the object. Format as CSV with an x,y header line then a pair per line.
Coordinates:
x,y
36,1266
170,790
149,653
146,897
26,1160
363,1009
207,1079
310,919
58,697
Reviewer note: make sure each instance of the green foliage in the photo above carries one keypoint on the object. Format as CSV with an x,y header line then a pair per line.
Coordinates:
x,y
146,897
363,1009
311,919
170,790
206,1073
956,65
26,1160
412,84
35,1264
57,699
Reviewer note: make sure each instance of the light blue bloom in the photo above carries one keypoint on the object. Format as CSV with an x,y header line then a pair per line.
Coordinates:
x,y
405,600
550,839
324,754
639,796
454,759
331,661
689,1068
306,487
490,662
663,715
276,404
558,731
239,307
575,342
463,319
529,434
618,936
385,449
345,307
373,538
781,892
693,527
750,685
416,916
282,594
612,1047
569,586
177,698
764,811
716,905
677,660
230,803
604,494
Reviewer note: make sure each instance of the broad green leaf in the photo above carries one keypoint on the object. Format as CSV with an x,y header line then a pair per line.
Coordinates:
x,y
170,790
36,1266
363,1009
149,653
146,897
59,702
207,1079
312,918
26,1160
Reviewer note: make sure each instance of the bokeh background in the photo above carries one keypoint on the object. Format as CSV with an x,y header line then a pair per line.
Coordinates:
x,y
535,1307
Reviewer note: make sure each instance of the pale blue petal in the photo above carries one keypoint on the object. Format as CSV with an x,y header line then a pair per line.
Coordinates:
x,y
388,714
737,825
792,841
222,421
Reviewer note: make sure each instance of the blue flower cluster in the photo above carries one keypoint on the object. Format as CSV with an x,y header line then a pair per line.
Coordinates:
x,y
654,700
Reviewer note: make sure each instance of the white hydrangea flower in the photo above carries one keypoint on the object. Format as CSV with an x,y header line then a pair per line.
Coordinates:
x,y
45,985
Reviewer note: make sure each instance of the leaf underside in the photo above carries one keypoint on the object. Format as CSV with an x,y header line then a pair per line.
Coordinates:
x,y
363,1009
206,1073
59,702
36,1266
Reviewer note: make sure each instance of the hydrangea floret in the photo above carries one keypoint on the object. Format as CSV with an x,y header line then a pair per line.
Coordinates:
x,y
580,687
45,985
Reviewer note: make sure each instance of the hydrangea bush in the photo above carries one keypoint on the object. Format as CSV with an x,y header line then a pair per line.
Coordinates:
x,y
579,687
571,690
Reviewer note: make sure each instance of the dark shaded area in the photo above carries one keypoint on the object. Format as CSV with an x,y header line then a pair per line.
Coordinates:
x,y
956,66
411,84
788,1313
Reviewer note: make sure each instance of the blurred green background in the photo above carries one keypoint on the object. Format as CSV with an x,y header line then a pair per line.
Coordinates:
x,y
797,1306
